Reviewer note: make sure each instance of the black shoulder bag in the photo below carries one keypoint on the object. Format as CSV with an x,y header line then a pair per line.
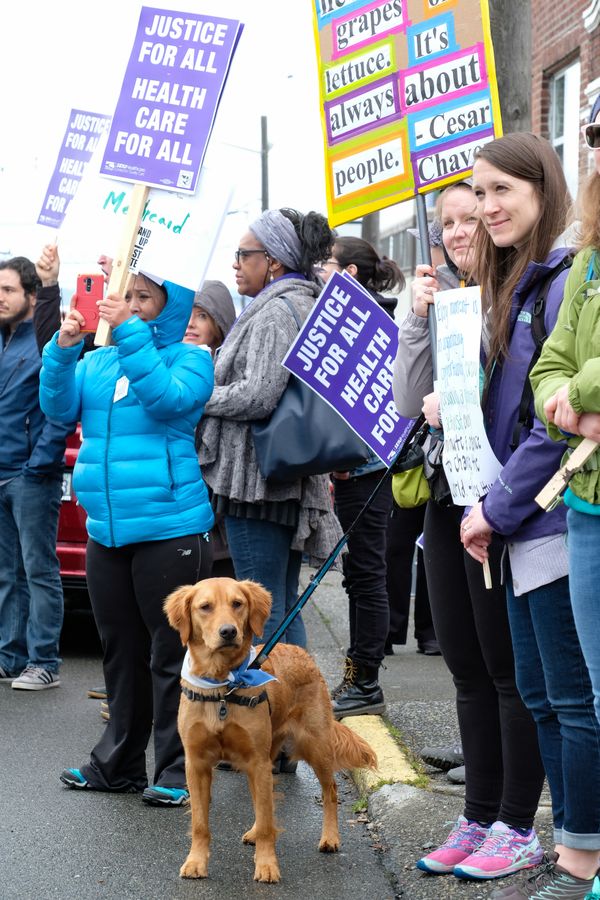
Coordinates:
x,y
304,435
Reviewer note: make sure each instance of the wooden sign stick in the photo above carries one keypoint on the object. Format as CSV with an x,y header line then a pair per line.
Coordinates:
x,y
560,480
120,275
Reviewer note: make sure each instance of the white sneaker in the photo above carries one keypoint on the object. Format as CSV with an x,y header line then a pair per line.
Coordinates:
x,y
34,678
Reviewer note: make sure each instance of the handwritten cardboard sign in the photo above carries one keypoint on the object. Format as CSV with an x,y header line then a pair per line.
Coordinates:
x,y
469,462
408,93
81,140
177,233
169,98
345,352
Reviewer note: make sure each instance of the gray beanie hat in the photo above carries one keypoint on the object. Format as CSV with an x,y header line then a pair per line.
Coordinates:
x,y
595,109
215,298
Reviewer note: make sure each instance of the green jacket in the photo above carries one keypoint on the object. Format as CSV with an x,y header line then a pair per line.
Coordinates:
x,y
571,355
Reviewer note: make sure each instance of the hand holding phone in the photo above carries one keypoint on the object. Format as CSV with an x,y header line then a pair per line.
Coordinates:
x,y
90,289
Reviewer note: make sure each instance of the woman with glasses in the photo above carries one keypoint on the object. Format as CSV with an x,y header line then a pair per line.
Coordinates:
x,y
365,562
269,526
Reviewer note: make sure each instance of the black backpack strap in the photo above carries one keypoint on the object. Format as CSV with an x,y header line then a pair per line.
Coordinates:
x,y
538,330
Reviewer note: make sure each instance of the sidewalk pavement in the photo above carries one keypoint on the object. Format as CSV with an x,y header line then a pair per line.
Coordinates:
x,y
410,805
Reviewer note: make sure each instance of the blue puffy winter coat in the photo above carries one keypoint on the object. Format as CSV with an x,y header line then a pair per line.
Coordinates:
x,y
139,401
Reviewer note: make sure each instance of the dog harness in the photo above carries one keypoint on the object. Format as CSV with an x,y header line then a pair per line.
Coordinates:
x,y
229,697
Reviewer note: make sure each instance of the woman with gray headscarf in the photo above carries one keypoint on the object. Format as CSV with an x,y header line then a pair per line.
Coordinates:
x,y
269,526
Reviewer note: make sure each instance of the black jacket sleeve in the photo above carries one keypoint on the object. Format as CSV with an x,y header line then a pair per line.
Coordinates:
x,y
46,314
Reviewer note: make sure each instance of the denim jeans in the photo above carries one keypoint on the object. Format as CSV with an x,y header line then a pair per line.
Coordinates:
x,y
584,574
31,597
261,551
553,680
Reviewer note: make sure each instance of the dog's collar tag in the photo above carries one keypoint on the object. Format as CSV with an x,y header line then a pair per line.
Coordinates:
x,y
222,709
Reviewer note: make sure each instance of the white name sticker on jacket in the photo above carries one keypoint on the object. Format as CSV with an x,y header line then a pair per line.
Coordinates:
x,y
121,388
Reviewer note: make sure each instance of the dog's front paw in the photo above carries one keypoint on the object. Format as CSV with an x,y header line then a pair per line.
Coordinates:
x,y
267,871
194,867
329,845
250,836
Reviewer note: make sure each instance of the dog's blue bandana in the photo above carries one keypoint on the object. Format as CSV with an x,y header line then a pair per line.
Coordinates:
x,y
237,678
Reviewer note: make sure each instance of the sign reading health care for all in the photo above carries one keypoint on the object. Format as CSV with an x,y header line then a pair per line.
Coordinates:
x,y
171,90
469,462
82,137
408,93
345,352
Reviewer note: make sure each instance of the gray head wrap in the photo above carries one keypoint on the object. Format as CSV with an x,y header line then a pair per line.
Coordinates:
x,y
278,236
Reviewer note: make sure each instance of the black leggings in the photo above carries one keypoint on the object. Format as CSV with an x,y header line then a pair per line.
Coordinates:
x,y
403,529
364,564
504,773
142,656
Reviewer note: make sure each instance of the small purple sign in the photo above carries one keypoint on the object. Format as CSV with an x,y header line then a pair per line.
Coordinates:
x,y
169,98
81,139
345,352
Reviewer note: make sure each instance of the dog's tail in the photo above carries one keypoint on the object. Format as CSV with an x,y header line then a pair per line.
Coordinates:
x,y
350,751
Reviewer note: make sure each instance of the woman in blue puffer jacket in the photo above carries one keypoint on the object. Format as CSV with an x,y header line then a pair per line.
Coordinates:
x,y
137,477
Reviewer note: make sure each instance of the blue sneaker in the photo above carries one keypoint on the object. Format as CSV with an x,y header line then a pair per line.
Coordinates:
x,y
74,779
165,796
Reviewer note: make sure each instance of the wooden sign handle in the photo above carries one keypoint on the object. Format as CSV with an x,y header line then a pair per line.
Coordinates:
x,y
120,275
560,479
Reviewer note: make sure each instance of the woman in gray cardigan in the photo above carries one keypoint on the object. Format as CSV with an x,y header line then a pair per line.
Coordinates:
x,y
269,526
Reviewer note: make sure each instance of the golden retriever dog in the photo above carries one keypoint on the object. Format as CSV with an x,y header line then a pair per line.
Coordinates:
x,y
217,620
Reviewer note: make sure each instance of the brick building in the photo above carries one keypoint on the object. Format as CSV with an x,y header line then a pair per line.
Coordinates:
x,y
565,76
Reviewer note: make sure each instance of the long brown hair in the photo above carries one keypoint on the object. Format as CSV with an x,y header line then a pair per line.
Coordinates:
x,y
589,203
499,269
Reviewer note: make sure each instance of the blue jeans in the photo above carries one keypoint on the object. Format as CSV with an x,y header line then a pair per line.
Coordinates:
x,y
584,572
553,680
31,597
261,551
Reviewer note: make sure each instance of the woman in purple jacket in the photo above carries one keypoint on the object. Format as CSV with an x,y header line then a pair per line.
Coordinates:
x,y
521,255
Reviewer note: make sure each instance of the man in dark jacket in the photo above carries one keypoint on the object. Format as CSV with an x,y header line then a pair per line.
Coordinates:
x,y
31,461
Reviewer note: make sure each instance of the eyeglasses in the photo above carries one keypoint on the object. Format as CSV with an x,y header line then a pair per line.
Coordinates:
x,y
242,254
320,267
591,135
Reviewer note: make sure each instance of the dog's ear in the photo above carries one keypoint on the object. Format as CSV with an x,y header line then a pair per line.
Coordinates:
x,y
259,605
177,607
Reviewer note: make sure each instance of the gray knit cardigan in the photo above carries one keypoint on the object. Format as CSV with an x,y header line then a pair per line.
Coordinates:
x,y
249,380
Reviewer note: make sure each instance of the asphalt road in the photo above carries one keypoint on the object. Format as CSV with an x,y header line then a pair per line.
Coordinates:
x,y
57,844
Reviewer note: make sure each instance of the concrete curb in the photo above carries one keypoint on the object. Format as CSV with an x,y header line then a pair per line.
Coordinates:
x,y
393,766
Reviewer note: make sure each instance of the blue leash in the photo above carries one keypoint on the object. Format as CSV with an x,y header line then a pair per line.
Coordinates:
x,y
325,567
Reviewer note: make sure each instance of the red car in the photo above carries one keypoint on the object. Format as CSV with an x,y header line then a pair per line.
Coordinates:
x,y
72,534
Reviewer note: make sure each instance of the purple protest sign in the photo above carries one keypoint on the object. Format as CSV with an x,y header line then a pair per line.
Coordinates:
x,y
345,352
81,139
169,98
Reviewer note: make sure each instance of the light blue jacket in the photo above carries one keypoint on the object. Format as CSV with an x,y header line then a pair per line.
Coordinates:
x,y
139,401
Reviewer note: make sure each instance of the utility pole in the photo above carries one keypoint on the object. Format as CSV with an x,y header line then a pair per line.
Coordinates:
x,y
370,229
510,22
264,163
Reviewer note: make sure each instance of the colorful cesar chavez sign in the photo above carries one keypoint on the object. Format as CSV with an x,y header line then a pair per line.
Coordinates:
x,y
345,352
408,93
82,137
170,94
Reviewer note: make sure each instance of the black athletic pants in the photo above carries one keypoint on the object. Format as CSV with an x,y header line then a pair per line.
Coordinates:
x,y
142,656
504,773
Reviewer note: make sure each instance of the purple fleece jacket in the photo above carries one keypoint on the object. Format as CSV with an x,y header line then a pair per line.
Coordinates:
x,y
510,507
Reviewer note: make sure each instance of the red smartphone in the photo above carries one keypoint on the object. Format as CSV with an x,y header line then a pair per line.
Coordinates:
x,y
90,289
